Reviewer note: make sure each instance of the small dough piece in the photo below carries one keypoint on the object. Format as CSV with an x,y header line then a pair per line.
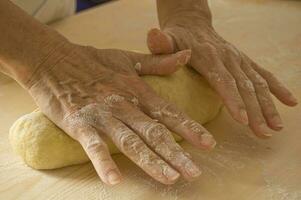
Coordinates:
x,y
42,145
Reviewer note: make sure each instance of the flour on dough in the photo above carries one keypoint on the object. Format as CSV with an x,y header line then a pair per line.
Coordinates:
x,y
42,145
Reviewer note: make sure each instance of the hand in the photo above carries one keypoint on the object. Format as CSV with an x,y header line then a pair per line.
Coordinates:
x,y
243,85
92,93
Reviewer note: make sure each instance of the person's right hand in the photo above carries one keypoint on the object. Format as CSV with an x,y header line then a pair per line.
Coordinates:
x,y
90,93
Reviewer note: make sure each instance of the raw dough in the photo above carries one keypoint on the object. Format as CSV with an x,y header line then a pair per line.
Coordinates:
x,y
42,145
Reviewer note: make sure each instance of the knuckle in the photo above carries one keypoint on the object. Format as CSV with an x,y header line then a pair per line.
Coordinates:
x,y
130,143
156,133
247,86
95,145
165,109
227,80
261,83
176,157
194,126
97,150
171,111
209,47
266,100
133,147
241,76
208,50
232,51
113,99
214,77
134,101
90,114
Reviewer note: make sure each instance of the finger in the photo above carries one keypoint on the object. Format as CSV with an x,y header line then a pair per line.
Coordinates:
x,y
175,120
211,67
98,153
256,119
158,64
160,42
264,98
134,148
158,137
275,85
248,93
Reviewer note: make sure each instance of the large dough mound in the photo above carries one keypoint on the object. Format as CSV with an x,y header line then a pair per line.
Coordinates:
x,y
42,145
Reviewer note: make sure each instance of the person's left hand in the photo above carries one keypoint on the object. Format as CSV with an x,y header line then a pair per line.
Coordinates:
x,y
243,85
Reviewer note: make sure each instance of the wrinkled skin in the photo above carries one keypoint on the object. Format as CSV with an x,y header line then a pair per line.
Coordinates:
x,y
95,93
244,86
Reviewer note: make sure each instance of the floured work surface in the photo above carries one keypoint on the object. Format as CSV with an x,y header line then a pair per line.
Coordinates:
x,y
241,166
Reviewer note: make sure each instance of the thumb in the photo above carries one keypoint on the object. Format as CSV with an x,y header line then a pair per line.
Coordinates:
x,y
160,42
147,64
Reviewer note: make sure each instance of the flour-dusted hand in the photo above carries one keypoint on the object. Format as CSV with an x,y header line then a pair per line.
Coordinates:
x,y
243,85
91,93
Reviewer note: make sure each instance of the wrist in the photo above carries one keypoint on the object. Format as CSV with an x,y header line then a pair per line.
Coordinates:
x,y
36,59
25,43
56,51
182,12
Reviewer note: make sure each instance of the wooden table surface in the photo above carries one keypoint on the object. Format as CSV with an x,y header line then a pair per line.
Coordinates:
x,y
241,166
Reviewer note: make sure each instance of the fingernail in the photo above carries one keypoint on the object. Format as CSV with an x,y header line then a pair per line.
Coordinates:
x,y
183,57
293,99
113,177
244,117
208,141
277,122
265,130
171,174
192,170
